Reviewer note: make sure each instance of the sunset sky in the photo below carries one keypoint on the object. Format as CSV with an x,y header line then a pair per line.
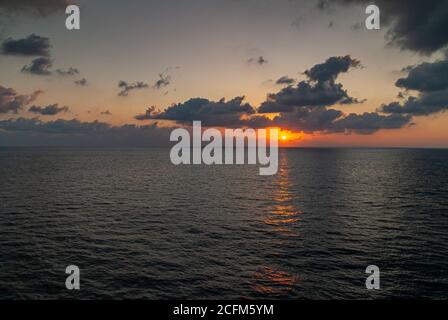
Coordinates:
x,y
339,81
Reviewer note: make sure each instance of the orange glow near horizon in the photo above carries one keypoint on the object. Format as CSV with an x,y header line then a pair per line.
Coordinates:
x,y
287,136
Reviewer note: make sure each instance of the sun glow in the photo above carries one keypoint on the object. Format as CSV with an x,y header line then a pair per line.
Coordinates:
x,y
288,136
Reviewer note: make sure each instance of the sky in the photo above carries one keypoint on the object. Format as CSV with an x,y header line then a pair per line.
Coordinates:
x,y
136,69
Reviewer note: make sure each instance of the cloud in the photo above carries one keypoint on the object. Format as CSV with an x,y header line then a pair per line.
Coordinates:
x,y
106,113
69,72
50,110
164,80
34,132
304,107
426,77
34,7
81,82
12,102
370,122
335,121
127,87
43,67
285,80
423,105
33,45
430,80
259,60
39,66
211,113
318,119
416,25
306,95
319,90
332,68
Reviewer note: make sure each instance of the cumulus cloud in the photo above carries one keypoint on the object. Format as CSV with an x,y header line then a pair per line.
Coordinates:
x,y
50,110
319,90
416,25
285,80
39,66
306,94
425,104
30,132
369,122
127,87
430,80
304,107
332,68
425,77
33,45
211,113
13,102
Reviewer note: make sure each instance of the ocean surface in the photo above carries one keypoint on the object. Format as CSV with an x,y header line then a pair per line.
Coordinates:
x,y
139,227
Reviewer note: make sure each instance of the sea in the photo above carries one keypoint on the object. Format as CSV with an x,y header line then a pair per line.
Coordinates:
x,y
139,227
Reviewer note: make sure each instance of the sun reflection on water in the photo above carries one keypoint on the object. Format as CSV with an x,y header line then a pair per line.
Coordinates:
x,y
284,214
274,282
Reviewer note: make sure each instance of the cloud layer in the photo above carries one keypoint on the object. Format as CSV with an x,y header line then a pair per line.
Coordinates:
x,y
415,25
34,132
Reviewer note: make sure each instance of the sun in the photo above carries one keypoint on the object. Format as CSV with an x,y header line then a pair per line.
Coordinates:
x,y
284,137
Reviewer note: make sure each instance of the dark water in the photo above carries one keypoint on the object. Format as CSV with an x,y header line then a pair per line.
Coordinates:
x,y
139,227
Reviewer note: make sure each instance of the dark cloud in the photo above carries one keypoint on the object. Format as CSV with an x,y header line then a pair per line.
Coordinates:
x,y
430,80
319,90
34,132
33,45
259,60
43,67
11,101
426,77
332,121
301,108
35,7
69,72
305,94
370,122
50,110
164,81
332,68
425,104
126,87
285,80
414,25
106,113
211,113
39,66
319,119
81,82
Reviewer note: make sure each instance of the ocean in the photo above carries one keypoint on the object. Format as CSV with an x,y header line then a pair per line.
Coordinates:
x,y
139,227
